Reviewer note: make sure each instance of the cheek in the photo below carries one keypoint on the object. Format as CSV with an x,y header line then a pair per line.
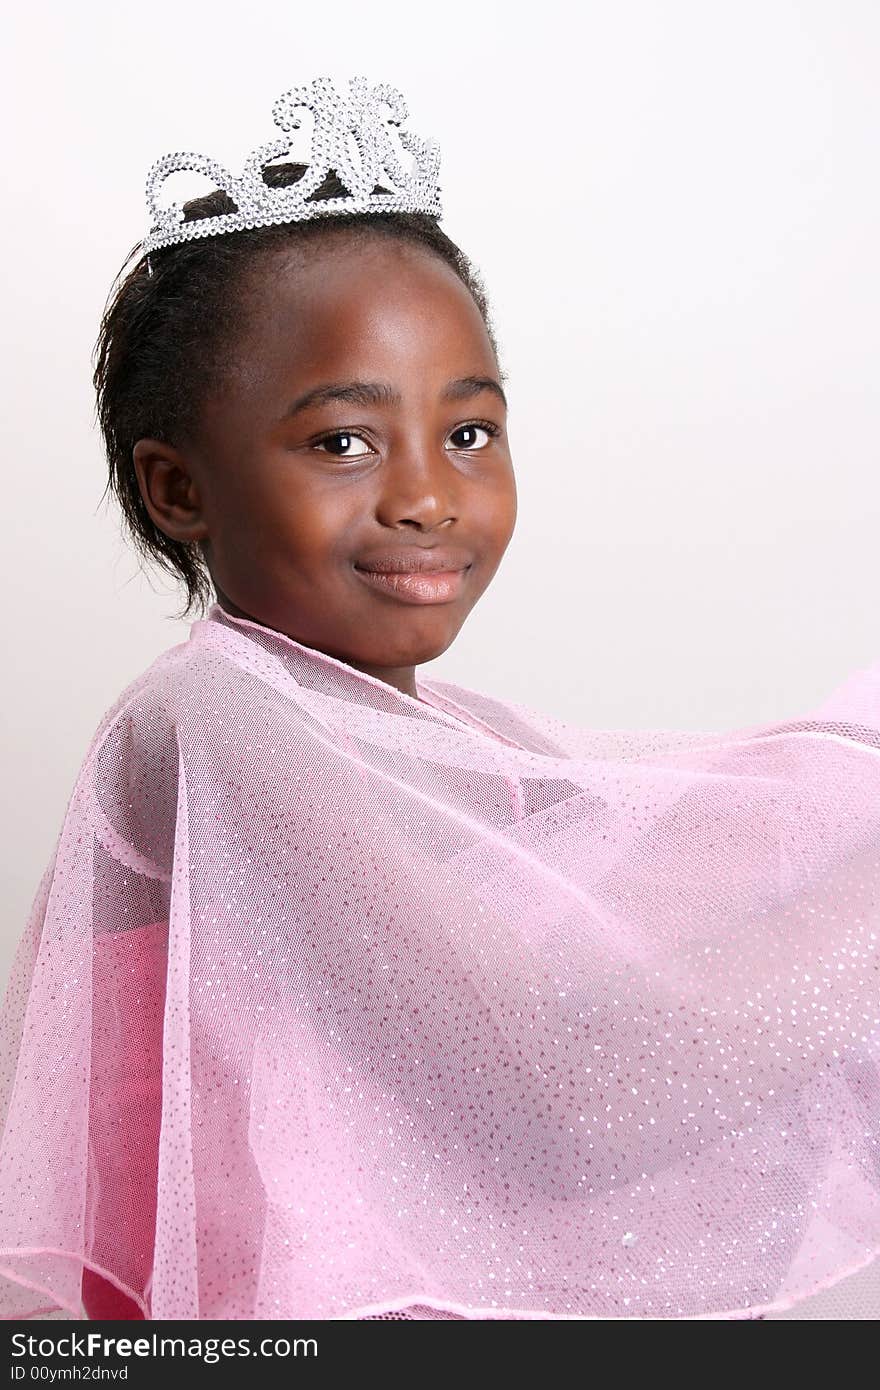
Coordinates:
x,y
287,514
512,501
497,509
247,499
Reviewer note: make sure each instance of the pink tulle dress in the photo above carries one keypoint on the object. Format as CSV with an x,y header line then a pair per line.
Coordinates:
x,y
125,1111
129,973
336,1003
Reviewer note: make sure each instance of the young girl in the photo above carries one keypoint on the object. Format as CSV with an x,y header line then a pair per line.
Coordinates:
x,y
348,994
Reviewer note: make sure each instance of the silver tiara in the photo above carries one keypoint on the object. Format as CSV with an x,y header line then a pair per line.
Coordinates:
x,y
350,134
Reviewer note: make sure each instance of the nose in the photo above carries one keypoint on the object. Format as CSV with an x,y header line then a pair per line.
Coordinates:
x,y
419,488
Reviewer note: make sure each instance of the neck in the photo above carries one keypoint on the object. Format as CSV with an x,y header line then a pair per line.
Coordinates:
x,y
402,678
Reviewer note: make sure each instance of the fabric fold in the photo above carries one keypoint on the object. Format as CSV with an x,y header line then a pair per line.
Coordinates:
x,y
337,1003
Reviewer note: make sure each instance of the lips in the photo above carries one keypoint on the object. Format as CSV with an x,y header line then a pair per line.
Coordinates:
x,y
416,575
414,560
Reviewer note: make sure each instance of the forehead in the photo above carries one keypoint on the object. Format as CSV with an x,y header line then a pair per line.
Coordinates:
x,y
360,297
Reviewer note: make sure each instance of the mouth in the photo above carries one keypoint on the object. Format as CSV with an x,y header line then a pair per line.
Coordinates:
x,y
417,586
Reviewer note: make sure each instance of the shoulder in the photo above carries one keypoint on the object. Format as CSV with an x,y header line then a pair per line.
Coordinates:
x,y
153,702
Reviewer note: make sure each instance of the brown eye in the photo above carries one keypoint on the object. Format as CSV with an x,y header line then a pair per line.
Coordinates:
x,y
474,428
345,436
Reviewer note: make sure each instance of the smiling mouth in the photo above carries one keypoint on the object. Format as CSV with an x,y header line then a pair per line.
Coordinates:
x,y
413,586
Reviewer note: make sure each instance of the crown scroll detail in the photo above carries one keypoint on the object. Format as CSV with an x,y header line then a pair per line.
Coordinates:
x,y
350,134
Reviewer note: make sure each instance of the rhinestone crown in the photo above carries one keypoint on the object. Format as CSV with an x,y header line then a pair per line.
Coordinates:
x,y
350,134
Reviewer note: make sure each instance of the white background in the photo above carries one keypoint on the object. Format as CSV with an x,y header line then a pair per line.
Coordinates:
x,y
675,207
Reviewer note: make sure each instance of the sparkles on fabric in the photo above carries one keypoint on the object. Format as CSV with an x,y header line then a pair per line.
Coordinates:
x,y
338,1003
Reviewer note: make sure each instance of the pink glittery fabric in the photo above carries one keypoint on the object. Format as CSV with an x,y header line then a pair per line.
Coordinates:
x,y
336,1003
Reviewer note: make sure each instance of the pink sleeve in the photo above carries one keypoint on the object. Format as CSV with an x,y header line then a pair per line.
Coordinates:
x,y
124,1114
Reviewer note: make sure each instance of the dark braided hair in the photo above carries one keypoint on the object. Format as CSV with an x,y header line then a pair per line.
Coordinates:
x,y
168,330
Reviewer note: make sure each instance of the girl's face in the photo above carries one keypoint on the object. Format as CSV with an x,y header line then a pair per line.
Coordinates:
x,y
364,422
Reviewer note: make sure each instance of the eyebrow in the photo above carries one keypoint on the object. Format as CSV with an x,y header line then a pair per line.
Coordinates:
x,y
382,393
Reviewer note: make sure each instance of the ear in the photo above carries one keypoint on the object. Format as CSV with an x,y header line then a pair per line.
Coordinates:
x,y
169,491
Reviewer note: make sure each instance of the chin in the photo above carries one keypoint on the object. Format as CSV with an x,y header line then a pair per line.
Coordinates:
x,y
417,652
